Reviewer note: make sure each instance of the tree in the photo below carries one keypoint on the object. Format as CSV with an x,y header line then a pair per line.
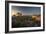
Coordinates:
x,y
19,14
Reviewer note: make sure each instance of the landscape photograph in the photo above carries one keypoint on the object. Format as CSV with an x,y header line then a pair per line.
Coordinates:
x,y
25,16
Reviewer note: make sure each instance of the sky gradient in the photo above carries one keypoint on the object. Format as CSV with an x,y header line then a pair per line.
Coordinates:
x,y
26,10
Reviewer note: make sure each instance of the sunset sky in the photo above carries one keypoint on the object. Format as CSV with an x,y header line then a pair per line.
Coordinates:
x,y
26,10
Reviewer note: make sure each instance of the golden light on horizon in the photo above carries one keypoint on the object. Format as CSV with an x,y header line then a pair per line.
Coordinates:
x,y
34,16
13,13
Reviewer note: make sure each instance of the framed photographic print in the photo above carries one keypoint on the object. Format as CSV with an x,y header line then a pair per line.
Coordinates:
x,y
24,16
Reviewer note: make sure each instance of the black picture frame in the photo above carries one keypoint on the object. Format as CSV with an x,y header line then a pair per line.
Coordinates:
x,y
7,16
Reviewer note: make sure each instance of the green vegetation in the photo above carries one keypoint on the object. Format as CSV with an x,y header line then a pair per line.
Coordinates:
x,y
23,21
